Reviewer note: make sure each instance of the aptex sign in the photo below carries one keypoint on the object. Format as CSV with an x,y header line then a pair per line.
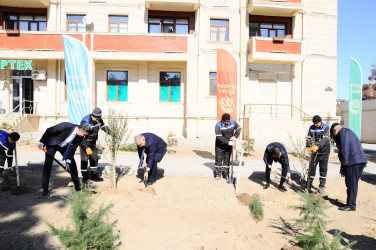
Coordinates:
x,y
16,64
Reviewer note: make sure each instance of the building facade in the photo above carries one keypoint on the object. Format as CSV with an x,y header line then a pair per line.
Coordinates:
x,y
155,60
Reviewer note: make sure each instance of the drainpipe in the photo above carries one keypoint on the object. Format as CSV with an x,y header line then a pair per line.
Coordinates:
x,y
198,67
240,65
302,72
58,84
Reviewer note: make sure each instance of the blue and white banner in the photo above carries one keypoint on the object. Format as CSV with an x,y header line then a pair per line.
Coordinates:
x,y
77,79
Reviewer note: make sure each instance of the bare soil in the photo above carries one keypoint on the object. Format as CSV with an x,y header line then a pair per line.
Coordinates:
x,y
180,213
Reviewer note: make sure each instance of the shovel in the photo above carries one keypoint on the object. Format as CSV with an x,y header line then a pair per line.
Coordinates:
x,y
231,179
292,183
140,165
61,165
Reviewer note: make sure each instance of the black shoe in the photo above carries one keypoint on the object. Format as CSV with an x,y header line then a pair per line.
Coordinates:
x,y
267,185
77,189
282,188
347,208
45,192
151,182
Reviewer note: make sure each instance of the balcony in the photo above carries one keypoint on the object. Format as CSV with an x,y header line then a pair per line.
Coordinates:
x,y
275,7
283,51
25,3
172,5
43,45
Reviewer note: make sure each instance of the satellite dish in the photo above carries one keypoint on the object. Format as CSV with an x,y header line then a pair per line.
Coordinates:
x,y
88,20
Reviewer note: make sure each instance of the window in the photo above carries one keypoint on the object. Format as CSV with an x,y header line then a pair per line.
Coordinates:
x,y
170,86
75,23
168,25
117,86
118,23
267,29
219,30
25,22
213,83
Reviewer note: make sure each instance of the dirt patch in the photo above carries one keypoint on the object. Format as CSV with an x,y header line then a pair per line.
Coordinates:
x,y
198,211
246,199
21,190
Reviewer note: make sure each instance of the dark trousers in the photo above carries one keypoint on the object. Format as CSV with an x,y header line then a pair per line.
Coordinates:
x,y
93,159
158,158
3,157
222,161
320,158
352,176
48,165
267,174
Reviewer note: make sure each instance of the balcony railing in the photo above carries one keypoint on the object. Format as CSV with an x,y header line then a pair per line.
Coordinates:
x,y
51,44
172,5
277,50
275,7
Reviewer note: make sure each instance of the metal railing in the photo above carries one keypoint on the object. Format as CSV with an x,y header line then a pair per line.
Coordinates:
x,y
276,111
25,105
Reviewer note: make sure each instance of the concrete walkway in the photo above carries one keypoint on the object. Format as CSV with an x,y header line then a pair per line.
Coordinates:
x,y
171,165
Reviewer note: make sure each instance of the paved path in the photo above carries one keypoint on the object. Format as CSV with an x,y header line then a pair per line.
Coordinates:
x,y
171,165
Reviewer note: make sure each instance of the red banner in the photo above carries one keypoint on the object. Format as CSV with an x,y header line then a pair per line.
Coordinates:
x,y
227,84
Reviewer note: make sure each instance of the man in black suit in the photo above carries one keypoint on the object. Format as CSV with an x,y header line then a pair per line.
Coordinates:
x,y
64,137
155,148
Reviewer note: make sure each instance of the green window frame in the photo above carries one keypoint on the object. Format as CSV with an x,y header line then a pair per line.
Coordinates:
x,y
117,86
170,86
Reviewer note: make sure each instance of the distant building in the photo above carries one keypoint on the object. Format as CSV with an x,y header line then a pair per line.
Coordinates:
x,y
164,78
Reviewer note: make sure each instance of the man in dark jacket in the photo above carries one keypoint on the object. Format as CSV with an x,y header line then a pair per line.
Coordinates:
x,y
88,147
64,137
155,148
226,132
353,160
8,143
275,151
318,144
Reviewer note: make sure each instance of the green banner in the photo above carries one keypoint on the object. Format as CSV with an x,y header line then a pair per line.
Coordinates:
x,y
355,99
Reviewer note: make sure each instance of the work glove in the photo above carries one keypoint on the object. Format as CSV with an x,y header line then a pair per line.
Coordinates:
x,y
89,151
315,148
144,165
41,145
231,143
233,138
308,149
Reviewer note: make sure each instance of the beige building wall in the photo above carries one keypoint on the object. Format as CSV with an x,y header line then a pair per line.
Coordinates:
x,y
299,84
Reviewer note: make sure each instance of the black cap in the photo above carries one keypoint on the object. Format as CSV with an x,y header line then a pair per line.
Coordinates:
x,y
225,117
14,136
97,113
332,128
316,119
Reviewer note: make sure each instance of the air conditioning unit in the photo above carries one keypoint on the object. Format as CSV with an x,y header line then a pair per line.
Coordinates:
x,y
39,75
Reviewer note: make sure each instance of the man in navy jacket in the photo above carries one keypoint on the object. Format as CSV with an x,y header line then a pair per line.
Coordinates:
x,y
8,143
275,151
155,148
64,137
353,160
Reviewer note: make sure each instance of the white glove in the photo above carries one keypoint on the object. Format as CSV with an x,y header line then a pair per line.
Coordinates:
x,y
233,138
289,175
270,166
231,143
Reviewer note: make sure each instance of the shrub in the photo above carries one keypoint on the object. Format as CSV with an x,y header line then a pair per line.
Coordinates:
x,y
171,141
89,231
248,145
256,209
131,147
10,177
314,223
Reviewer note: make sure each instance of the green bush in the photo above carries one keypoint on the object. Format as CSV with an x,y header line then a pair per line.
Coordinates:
x,y
248,145
314,223
89,231
131,147
256,209
10,177
6,126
